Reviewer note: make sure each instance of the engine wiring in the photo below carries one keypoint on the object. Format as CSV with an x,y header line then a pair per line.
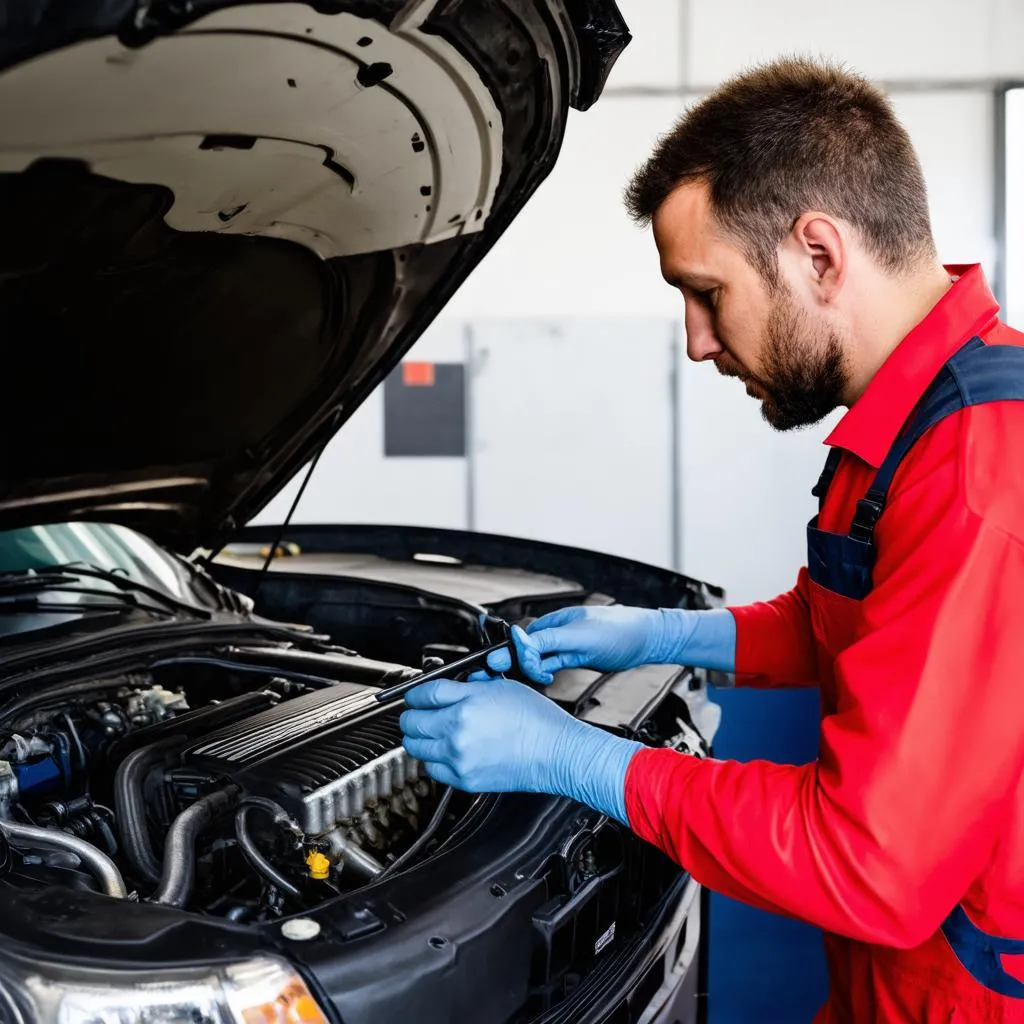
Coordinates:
x,y
421,843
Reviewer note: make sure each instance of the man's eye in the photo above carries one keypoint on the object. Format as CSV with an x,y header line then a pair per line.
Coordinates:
x,y
707,297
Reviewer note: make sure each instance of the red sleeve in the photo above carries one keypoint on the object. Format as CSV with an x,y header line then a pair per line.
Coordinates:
x,y
882,836
774,642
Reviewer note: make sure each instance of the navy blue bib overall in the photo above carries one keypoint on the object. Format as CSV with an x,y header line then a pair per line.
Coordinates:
x,y
843,564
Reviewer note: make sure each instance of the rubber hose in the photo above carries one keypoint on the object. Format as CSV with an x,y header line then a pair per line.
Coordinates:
x,y
257,861
179,870
103,828
130,807
102,867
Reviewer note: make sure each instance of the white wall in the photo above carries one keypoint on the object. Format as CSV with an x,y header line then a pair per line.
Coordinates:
x,y
888,39
354,483
573,251
1015,208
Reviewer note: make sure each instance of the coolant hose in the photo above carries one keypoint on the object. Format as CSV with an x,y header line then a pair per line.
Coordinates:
x,y
102,867
130,807
256,859
179,870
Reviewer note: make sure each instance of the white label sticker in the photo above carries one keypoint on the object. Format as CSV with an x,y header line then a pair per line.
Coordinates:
x,y
604,939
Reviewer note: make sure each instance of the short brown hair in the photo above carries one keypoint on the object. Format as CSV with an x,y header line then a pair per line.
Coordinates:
x,y
790,136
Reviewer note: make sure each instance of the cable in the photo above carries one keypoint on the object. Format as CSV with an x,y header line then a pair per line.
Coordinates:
x,y
78,745
427,834
288,518
467,823
21,810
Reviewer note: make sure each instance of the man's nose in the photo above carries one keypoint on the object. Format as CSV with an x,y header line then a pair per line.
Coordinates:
x,y
701,340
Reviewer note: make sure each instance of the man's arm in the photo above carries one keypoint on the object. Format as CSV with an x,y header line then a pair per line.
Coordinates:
x,y
883,835
775,641
766,644
918,766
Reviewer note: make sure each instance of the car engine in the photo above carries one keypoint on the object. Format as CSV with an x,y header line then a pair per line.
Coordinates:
x,y
245,805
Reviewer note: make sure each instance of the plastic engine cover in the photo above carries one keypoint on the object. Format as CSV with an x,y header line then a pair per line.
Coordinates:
x,y
324,756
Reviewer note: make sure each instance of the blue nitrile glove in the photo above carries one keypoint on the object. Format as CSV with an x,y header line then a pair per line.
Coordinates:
x,y
615,638
503,737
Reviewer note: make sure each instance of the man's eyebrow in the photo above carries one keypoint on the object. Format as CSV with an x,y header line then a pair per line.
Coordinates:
x,y
695,282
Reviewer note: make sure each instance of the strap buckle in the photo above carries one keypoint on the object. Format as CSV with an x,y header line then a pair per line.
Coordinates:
x,y
865,518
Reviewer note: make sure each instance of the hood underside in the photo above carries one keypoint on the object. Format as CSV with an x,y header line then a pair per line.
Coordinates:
x,y
225,223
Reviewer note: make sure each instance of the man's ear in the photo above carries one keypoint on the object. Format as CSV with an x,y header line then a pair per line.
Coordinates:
x,y
820,247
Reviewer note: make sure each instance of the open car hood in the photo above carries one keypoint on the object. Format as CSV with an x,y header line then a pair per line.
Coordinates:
x,y
225,223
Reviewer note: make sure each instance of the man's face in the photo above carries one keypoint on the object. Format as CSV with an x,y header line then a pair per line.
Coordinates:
x,y
783,351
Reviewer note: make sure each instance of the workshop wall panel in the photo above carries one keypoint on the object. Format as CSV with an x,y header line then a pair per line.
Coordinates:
x,y
746,489
573,250
1014,214
654,57
908,39
571,436
953,134
355,482
1007,30
573,432
764,968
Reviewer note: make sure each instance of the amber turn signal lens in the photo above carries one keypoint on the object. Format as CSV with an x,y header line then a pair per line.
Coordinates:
x,y
293,1005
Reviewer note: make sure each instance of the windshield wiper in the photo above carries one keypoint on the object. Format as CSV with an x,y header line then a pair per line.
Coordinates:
x,y
63,578
122,581
39,603
30,581
18,596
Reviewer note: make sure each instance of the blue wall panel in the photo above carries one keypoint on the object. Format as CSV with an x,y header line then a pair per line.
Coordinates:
x,y
764,969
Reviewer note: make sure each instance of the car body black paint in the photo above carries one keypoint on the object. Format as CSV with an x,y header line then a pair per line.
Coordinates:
x,y
314,331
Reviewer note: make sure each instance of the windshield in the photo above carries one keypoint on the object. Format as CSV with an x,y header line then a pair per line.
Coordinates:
x,y
103,545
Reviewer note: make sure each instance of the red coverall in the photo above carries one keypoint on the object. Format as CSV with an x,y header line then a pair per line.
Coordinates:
x,y
915,804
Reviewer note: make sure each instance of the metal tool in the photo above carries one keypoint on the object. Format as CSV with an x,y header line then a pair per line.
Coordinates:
x,y
468,663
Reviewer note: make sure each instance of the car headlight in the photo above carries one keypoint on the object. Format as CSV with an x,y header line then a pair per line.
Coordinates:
x,y
263,991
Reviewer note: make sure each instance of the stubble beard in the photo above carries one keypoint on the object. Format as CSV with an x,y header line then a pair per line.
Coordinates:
x,y
803,369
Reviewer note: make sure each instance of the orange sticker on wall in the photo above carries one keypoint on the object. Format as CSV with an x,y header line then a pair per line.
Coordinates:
x,y
418,375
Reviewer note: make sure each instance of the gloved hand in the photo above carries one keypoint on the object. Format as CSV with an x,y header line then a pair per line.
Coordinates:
x,y
616,638
503,737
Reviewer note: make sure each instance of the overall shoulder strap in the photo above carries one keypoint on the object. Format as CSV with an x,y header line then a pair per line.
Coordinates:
x,y
820,489
976,375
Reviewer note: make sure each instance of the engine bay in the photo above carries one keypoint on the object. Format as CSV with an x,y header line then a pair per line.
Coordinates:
x,y
194,787
190,793
236,785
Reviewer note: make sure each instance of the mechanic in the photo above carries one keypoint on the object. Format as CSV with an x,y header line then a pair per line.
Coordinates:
x,y
789,209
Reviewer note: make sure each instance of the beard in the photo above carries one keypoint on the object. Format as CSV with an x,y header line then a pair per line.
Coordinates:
x,y
804,373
